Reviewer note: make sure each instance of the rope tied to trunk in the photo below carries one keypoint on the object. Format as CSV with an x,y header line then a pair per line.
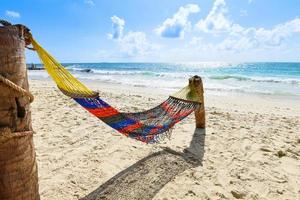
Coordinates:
x,y
17,88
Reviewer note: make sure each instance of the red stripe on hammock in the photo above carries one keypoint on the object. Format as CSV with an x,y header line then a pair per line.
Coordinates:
x,y
183,113
166,106
130,128
103,112
154,130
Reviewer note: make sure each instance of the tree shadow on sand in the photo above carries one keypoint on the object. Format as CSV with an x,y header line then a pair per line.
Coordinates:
x,y
144,179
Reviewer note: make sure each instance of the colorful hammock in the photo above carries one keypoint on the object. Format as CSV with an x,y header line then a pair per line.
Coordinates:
x,y
148,126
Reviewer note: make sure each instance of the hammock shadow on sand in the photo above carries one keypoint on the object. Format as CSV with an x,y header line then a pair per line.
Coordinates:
x,y
144,179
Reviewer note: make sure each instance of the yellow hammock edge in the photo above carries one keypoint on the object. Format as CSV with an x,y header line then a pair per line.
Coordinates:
x,y
62,77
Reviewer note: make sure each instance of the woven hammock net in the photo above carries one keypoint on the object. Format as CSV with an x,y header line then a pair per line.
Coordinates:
x,y
147,126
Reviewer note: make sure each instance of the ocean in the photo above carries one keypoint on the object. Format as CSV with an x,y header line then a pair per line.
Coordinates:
x,y
278,78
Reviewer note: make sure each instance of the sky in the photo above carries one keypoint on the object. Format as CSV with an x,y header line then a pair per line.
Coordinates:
x,y
161,30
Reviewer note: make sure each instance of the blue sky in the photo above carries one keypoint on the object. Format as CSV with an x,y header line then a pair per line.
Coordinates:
x,y
161,30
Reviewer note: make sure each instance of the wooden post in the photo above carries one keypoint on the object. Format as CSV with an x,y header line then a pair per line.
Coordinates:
x,y
200,112
18,168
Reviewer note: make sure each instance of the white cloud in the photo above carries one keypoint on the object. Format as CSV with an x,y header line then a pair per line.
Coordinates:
x,y
176,26
261,38
216,20
237,44
136,44
250,1
89,2
131,44
117,26
275,36
227,39
252,38
239,38
12,14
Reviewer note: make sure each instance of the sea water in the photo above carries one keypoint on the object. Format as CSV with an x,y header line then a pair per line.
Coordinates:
x,y
279,78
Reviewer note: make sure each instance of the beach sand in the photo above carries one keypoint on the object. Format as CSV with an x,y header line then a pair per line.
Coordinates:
x,y
249,150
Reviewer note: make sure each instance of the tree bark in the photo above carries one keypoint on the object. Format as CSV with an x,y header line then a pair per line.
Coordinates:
x,y
200,112
18,168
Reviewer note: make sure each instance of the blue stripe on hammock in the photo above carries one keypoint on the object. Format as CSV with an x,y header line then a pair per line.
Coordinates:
x,y
122,124
159,130
92,103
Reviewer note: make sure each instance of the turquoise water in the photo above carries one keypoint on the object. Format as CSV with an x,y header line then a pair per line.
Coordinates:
x,y
261,78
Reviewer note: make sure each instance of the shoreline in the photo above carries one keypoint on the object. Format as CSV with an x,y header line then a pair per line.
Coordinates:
x,y
288,103
283,87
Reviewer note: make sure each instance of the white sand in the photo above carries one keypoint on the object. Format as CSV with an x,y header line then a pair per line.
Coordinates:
x,y
251,149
